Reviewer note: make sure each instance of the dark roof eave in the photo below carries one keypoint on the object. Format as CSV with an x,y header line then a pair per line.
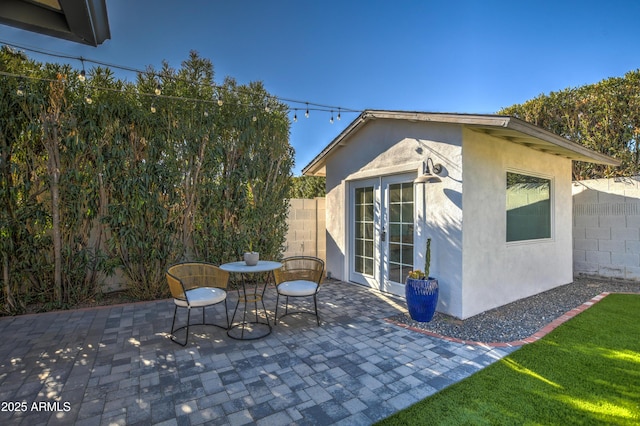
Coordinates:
x,y
80,21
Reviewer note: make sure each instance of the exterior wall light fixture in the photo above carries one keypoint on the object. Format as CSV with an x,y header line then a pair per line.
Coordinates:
x,y
430,174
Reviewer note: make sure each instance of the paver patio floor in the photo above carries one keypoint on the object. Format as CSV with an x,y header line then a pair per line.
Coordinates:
x,y
117,365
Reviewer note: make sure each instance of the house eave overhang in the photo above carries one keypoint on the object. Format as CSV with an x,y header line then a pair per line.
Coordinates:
x,y
80,21
504,127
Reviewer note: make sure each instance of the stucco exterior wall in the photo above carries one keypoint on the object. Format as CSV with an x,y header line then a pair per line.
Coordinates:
x,y
496,272
443,222
606,228
388,147
477,269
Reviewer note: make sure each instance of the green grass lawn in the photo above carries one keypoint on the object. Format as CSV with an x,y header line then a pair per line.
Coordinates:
x,y
587,371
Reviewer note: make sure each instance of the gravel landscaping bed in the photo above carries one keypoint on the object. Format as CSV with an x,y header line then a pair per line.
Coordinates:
x,y
520,319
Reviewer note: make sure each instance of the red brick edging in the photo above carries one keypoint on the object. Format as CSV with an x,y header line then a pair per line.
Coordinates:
x,y
536,336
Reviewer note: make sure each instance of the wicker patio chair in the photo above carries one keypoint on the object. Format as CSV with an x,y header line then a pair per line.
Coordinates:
x,y
196,285
299,276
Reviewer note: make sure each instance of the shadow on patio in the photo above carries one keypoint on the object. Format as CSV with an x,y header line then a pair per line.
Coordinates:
x,y
116,365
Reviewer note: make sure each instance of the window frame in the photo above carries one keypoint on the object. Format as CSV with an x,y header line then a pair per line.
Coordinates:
x,y
552,191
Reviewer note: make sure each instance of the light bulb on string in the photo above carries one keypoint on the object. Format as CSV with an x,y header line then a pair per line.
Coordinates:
x,y
158,90
88,99
220,102
254,119
306,114
295,116
83,75
153,108
206,113
20,90
331,119
338,117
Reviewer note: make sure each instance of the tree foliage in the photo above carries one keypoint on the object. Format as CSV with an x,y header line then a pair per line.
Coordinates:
x,y
132,180
604,117
308,187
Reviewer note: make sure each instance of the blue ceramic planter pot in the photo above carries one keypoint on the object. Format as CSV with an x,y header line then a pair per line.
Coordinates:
x,y
422,298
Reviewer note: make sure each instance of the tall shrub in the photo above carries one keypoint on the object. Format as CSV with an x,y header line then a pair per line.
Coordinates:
x,y
132,179
603,116
24,220
243,197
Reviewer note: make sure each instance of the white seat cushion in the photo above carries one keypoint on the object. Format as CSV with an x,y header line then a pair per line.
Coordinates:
x,y
202,296
297,288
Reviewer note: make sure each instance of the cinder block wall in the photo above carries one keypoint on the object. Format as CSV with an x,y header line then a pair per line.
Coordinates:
x,y
307,230
606,228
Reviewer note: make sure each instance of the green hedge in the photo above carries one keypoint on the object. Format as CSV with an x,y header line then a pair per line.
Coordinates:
x,y
86,188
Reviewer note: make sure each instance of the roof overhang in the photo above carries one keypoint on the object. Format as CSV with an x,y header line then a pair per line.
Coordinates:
x,y
500,126
81,21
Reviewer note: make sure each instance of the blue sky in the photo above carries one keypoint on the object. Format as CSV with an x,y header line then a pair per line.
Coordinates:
x,y
440,56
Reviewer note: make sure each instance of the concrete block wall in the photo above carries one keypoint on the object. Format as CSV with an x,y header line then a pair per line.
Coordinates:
x,y
606,228
307,230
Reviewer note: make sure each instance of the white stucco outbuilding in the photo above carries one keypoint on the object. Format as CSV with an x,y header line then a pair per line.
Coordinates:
x,y
498,210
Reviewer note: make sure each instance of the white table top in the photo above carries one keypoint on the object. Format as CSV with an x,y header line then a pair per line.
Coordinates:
x,y
241,266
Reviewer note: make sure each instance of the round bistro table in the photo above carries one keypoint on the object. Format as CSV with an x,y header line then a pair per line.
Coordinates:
x,y
255,329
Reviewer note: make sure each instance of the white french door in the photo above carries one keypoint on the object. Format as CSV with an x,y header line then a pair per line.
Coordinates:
x,y
381,232
364,230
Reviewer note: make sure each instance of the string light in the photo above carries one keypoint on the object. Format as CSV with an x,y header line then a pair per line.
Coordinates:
x,y
82,76
157,91
331,119
89,100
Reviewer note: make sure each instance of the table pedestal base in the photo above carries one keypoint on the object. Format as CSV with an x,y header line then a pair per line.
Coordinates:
x,y
249,330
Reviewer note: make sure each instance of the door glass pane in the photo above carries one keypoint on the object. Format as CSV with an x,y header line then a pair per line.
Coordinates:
x,y
363,250
368,195
395,272
394,232
400,217
395,193
407,233
407,215
368,251
395,251
407,192
407,257
394,212
368,266
368,231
